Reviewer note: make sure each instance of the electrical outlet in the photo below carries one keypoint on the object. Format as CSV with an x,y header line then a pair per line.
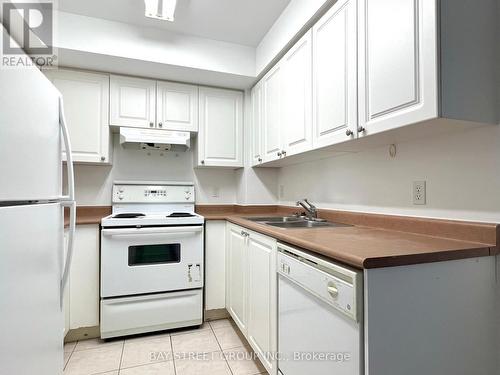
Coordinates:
x,y
419,193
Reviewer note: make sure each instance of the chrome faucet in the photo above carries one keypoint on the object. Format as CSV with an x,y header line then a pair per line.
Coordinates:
x,y
311,211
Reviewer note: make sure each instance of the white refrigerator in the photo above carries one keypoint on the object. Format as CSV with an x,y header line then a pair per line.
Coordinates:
x,y
34,263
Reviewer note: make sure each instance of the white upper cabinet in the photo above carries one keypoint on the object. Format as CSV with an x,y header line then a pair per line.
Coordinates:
x,y
257,116
86,106
398,63
177,106
296,126
272,119
335,75
220,137
132,102
379,65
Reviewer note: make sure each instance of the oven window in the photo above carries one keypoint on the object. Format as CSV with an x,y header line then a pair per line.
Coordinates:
x,y
154,254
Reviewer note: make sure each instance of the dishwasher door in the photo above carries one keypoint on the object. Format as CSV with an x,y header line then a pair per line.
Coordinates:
x,y
314,335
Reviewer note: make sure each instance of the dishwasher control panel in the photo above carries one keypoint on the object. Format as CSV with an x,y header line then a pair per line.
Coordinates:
x,y
336,285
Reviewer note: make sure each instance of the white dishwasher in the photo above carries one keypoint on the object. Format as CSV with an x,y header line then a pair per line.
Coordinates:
x,y
320,312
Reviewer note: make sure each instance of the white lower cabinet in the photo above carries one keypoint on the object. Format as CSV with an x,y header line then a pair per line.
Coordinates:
x,y
251,287
262,298
215,265
82,304
236,279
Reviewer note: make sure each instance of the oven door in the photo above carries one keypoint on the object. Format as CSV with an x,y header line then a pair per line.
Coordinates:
x,y
150,260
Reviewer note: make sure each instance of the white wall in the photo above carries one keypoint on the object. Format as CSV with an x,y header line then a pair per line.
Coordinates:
x,y
92,43
462,171
94,183
295,16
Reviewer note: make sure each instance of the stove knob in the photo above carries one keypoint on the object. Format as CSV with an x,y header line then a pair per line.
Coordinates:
x,y
121,196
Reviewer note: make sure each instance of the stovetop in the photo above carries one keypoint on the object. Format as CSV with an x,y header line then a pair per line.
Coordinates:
x,y
128,215
152,203
124,219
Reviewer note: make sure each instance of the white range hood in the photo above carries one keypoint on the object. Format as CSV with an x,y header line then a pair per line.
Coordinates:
x,y
154,139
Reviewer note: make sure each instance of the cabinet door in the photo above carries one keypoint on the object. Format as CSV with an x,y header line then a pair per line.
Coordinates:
x,y
272,120
84,278
177,106
262,297
335,108
86,108
257,124
236,287
397,63
220,136
296,127
132,102
215,265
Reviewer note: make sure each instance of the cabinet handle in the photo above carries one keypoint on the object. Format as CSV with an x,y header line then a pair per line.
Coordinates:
x,y
349,132
151,124
160,125
283,152
361,129
202,162
103,158
259,160
279,154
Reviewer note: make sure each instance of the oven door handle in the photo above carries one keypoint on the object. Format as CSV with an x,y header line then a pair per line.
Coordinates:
x,y
165,230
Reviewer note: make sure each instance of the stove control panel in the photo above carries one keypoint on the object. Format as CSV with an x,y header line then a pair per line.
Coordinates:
x,y
123,193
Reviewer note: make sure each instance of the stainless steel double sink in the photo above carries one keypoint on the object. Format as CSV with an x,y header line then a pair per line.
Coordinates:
x,y
290,222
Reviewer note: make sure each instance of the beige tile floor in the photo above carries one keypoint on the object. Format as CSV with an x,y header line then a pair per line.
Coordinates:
x,y
216,348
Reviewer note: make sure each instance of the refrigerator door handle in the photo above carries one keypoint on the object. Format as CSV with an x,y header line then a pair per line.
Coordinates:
x,y
69,157
70,245
69,200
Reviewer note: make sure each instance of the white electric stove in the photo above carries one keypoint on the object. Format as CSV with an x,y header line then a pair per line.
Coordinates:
x,y
151,259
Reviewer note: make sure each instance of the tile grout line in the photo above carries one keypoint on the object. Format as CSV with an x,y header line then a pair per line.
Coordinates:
x,y
173,355
70,355
220,346
121,358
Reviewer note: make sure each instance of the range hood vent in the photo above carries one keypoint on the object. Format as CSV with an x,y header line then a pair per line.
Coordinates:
x,y
154,139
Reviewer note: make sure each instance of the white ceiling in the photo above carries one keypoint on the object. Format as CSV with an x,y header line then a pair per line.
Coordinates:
x,y
237,21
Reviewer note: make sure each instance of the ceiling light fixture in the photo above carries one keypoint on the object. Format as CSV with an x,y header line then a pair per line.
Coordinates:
x,y
160,9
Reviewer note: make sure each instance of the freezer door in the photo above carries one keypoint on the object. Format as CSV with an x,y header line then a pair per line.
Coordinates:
x,y
30,137
31,244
